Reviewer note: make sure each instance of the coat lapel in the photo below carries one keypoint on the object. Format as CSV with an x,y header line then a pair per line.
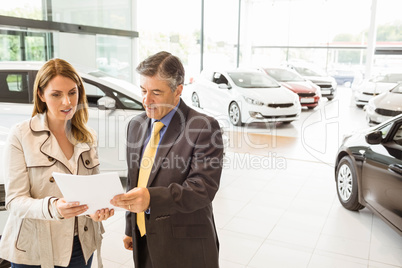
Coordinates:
x,y
50,146
174,131
135,146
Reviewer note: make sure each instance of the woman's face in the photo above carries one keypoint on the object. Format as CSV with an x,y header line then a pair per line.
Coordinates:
x,y
61,98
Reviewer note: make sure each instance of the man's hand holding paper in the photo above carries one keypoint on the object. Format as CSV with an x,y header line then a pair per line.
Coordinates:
x,y
136,200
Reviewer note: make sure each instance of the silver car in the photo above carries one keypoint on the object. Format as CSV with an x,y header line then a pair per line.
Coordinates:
x,y
368,89
384,106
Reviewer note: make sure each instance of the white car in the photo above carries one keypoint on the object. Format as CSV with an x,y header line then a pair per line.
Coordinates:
x,y
246,96
370,88
384,106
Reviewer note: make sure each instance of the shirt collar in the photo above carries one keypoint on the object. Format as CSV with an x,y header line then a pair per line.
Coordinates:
x,y
167,118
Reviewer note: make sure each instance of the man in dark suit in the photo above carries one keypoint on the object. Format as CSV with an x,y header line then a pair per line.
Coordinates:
x,y
177,200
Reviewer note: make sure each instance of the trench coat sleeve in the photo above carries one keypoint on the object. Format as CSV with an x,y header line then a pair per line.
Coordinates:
x,y
18,198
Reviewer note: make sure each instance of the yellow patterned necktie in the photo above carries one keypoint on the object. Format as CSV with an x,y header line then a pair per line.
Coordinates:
x,y
147,163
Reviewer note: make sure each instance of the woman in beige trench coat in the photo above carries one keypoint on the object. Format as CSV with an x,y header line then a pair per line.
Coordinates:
x,y
43,230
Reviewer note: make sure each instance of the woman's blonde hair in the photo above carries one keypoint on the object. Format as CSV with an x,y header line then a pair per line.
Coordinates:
x,y
50,70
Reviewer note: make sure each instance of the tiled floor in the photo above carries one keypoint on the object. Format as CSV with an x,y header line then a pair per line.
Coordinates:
x,y
277,204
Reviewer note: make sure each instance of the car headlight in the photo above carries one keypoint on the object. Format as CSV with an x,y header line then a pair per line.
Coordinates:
x,y
253,101
371,105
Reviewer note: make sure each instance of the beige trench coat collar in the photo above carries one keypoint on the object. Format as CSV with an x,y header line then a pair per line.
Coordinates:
x,y
49,144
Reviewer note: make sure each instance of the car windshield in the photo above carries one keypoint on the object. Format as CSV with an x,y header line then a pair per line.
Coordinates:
x,y
397,89
389,78
252,80
385,129
309,71
284,75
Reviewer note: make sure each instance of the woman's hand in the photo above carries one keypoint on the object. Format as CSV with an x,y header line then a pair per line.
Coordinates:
x,y
69,209
102,214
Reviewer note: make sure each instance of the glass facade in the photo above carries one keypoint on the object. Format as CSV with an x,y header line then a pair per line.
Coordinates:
x,y
173,26
114,14
326,33
25,46
111,52
27,9
332,34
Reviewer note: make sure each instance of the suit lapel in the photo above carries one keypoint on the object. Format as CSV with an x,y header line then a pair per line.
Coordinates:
x,y
136,146
142,132
174,131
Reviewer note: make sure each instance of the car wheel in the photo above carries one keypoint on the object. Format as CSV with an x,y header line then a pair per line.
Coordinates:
x,y
196,100
330,98
359,106
234,114
346,185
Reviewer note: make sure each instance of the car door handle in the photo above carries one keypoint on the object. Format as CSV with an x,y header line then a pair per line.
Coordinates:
x,y
396,168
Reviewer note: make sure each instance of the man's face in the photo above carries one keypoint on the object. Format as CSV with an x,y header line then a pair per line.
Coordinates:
x,y
157,97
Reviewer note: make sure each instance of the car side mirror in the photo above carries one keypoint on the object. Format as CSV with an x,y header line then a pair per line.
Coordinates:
x,y
106,103
374,137
224,86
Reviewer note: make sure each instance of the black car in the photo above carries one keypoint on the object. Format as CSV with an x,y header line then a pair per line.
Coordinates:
x,y
368,171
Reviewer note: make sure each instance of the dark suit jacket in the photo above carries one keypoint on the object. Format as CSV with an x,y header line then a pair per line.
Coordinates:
x,y
180,228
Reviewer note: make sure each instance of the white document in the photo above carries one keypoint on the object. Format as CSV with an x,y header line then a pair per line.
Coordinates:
x,y
95,191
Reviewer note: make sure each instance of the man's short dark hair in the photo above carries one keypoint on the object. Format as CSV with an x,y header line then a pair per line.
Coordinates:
x,y
167,66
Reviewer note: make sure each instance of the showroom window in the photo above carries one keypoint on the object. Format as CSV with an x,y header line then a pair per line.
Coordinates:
x,y
25,46
167,28
94,34
330,33
114,14
27,9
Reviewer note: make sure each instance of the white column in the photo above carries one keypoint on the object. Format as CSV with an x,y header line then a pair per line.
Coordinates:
x,y
371,42
245,30
134,42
